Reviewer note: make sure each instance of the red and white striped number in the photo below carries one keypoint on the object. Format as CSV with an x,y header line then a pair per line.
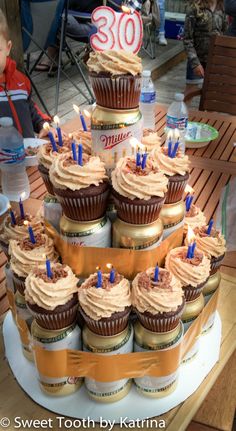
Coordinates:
x,y
116,30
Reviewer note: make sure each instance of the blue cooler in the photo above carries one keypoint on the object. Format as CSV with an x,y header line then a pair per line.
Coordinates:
x,y
174,25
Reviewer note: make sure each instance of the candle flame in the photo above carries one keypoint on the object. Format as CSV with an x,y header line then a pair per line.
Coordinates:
x,y
44,256
46,126
70,135
135,143
109,265
176,134
98,268
189,189
87,113
76,108
190,236
22,196
170,135
56,120
125,9
26,223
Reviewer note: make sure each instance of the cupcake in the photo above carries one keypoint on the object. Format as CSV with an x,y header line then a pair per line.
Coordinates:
x,y
81,190
19,230
105,309
194,217
116,78
52,301
138,193
176,169
150,140
191,272
25,256
85,138
45,156
212,245
158,304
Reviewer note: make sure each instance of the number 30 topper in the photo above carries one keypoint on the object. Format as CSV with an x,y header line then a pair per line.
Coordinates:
x,y
116,31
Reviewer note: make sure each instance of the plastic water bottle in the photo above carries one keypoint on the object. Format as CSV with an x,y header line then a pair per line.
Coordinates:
x,y
15,182
148,100
177,118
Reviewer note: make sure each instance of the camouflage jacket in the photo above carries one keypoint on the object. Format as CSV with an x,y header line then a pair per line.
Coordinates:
x,y
198,28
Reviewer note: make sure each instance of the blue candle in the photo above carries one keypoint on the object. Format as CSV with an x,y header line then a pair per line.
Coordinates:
x,y
99,280
59,135
52,140
144,160
169,148
188,202
193,249
80,154
31,235
156,273
22,213
73,147
189,252
138,158
174,152
112,276
210,227
48,268
13,219
83,122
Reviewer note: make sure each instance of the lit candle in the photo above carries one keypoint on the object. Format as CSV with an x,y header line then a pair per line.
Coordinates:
x,y
169,148
144,160
48,268
190,241
31,235
73,148
13,219
188,202
50,135
112,273
138,158
174,152
59,135
99,277
210,227
194,245
156,273
87,115
22,213
80,154
77,110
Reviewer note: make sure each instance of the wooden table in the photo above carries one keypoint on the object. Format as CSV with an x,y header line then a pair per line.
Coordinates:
x,y
212,168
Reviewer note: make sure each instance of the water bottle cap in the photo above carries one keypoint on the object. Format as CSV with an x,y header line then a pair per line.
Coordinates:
x,y
179,97
6,122
146,73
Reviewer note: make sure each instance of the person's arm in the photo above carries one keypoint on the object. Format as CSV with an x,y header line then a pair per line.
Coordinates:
x,y
230,7
188,40
37,116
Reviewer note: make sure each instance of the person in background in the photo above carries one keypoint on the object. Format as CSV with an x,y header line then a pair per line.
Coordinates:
x,y
204,18
15,91
161,34
230,9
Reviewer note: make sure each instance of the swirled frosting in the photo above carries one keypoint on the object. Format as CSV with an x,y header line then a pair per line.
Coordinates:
x,y
67,173
50,293
213,244
133,182
114,62
150,139
171,166
163,296
20,230
103,302
25,256
193,218
46,155
188,271
85,138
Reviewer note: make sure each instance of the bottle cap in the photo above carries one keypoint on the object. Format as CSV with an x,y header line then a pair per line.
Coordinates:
x,y
146,73
6,122
179,97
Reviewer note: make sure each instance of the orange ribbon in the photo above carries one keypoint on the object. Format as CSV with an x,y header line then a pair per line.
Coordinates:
x,y
11,300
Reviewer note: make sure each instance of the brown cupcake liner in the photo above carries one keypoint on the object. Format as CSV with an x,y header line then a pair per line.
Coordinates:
x,y
83,208
176,189
191,292
159,322
46,179
19,283
107,326
138,211
57,320
121,92
216,263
